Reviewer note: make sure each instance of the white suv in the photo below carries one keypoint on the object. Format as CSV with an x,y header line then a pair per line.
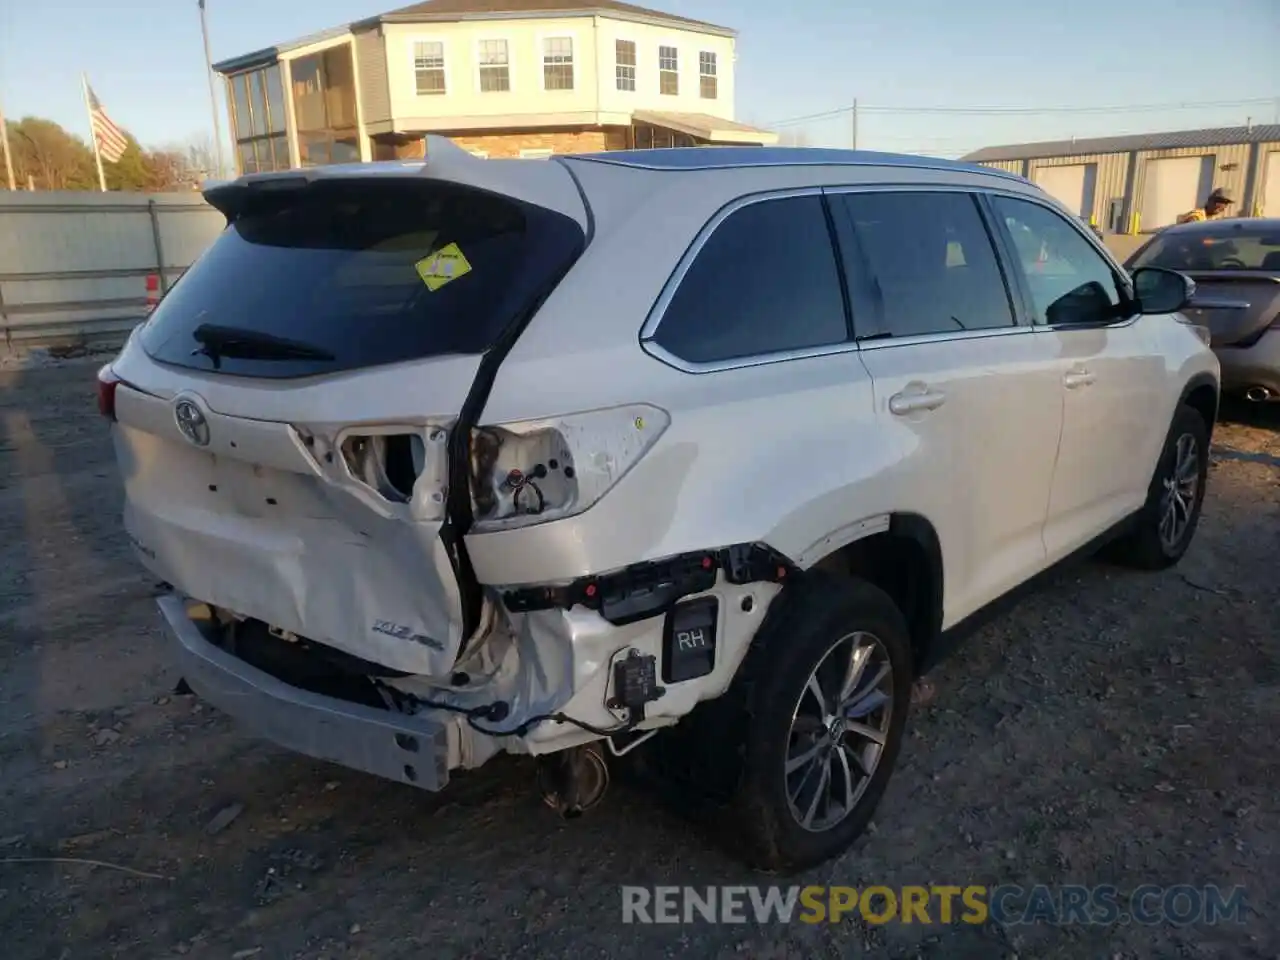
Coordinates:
x,y
451,458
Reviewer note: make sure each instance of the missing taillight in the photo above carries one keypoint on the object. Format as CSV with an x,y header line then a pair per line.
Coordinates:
x,y
107,383
521,474
390,463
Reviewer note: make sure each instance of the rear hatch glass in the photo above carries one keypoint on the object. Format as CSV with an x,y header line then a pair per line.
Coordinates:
x,y
1236,267
338,274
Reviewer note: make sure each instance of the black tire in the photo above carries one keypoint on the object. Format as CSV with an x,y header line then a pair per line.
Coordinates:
x,y
1144,547
803,626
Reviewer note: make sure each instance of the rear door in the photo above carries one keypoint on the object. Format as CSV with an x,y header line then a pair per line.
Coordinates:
x,y
972,396
284,413
1109,369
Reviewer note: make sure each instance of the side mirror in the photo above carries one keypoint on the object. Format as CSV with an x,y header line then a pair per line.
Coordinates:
x,y
1162,291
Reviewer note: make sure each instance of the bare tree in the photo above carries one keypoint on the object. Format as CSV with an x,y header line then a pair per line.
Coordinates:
x,y
201,156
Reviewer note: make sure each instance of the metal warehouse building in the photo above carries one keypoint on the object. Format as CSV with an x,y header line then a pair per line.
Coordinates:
x,y
1140,183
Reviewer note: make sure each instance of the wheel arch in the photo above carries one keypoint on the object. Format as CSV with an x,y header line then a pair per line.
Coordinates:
x,y
905,560
1202,394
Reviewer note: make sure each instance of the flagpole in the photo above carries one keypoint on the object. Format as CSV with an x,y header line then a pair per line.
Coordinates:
x,y
93,134
8,156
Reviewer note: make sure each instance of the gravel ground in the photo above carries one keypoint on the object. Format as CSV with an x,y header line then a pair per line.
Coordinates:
x,y
1115,728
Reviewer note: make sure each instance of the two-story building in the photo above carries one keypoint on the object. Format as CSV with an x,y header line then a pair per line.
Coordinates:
x,y
503,78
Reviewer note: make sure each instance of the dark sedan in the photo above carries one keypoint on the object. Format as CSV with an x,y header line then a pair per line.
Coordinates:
x,y
1236,267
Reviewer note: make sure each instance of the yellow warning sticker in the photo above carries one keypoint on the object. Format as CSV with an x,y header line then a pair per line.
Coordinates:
x,y
437,269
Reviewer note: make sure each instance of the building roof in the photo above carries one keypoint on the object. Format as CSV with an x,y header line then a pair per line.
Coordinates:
x,y
720,158
272,53
1212,137
706,126
514,9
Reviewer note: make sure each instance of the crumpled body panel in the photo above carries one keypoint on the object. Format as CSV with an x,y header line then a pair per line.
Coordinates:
x,y
281,539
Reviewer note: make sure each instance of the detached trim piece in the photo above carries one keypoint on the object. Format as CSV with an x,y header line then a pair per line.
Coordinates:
x,y
409,749
645,590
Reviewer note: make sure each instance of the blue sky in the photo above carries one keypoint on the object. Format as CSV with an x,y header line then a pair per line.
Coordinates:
x,y
144,59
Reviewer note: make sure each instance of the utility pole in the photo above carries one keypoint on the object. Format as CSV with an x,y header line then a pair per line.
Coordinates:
x,y
213,93
855,123
8,157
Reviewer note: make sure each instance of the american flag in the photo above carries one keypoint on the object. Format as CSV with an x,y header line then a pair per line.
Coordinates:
x,y
110,138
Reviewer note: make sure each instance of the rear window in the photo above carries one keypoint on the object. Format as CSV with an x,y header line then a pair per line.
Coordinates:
x,y
1235,247
355,273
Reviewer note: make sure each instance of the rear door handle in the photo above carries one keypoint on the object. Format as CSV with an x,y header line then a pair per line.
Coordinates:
x,y
916,401
1077,378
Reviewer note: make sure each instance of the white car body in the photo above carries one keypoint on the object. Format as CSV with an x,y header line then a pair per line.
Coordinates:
x,y
1015,447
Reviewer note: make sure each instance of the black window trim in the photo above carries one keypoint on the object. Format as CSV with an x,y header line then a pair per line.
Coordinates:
x,y
654,319
1008,269
1015,266
1002,243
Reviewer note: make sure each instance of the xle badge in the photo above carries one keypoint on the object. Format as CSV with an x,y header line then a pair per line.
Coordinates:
x,y
440,267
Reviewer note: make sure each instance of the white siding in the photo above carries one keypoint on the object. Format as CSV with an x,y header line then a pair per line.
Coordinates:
x,y
594,99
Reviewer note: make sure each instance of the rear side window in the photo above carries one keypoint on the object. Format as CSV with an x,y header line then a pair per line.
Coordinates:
x,y
764,282
342,273
919,263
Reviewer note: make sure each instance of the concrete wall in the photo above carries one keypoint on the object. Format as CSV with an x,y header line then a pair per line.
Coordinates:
x,y
73,265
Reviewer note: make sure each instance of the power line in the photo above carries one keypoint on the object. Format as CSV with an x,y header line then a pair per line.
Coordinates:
x,y
1025,111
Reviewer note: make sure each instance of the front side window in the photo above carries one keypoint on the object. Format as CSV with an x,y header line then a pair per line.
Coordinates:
x,y
707,80
668,71
428,67
625,68
495,66
765,281
919,263
1069,281
557,63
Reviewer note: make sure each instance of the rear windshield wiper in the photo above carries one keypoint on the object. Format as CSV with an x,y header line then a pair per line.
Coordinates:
x,y
217,342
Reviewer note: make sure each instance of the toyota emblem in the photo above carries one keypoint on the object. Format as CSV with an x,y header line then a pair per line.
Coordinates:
x,y
191,421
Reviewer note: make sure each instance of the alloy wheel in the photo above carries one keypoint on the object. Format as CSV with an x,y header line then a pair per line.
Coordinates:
x,y
1178,502
838,731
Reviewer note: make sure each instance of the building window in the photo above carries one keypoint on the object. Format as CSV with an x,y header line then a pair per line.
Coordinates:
x,y
428,67
324,107
707,80
258,120
557,63
669,71
495,66
625,58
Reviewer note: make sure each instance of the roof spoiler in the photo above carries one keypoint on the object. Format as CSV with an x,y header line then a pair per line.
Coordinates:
x,y
536,182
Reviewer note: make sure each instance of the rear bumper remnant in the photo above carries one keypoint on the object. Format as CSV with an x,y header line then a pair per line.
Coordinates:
x,y
412,750
1255,366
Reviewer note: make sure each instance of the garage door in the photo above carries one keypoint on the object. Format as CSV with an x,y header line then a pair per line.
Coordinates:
x,y
1073,185
1271,186
1172,187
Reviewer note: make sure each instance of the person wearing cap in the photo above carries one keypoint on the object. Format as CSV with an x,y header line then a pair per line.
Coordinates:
x,y
1213,207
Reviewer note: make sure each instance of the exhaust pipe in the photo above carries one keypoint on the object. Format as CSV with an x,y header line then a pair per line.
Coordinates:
x,y
1257,394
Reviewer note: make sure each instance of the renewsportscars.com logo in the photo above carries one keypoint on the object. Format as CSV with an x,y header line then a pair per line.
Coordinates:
x,y
1149,904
